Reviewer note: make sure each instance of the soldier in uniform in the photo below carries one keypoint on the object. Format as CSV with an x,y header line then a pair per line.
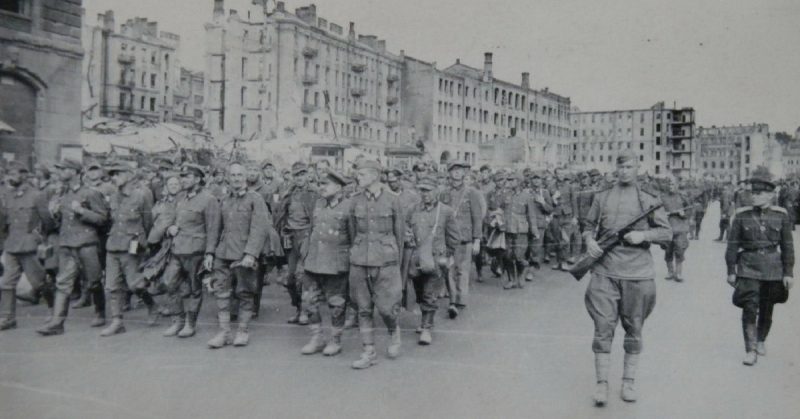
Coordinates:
x,y
243,231
408,200
377,218
195,234
565,213
326,264
294,222
760,260
544,207
585,197
131,219
788,200
80,211
431,229
521,216
467,204
676,205
622,286
27,221
725,210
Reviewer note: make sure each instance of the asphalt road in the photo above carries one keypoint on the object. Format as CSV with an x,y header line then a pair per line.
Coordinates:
x,y
523,353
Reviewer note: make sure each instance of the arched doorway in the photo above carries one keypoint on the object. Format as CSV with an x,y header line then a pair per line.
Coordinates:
x,y
445,157
20,113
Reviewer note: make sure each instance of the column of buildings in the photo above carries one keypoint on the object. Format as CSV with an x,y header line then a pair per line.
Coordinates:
x,y
40,68
731,153
662,137
135,73
295,75
280,75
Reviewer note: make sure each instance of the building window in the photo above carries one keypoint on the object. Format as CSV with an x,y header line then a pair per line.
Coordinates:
x,y
243,96
641,146
15,6
153,80
141,103
244,68
705,165
152,104
305,124
658,155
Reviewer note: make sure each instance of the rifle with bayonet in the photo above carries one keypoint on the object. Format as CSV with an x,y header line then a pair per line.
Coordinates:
x,y
607,242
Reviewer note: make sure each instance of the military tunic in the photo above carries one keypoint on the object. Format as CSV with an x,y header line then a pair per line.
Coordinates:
x,y
27,222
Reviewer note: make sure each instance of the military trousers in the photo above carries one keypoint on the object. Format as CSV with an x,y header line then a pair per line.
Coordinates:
x,y
376,287
245,279
757,300
330,288
609,300
459,275
676,248
17,263
295,269
426,288
183,283
122,269
79,261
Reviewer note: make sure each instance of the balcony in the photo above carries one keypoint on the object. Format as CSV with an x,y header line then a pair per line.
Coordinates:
x,y
308,108
392,78
309,52
358,117
392,100
356,92
392,124
358,68
680,134
126,58
309,80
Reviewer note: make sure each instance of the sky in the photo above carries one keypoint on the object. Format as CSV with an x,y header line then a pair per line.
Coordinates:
x,y
733,61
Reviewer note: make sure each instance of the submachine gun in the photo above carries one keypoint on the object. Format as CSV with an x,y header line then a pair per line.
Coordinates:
x,y
607,242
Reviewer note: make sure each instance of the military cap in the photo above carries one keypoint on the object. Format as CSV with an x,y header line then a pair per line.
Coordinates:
x,y
299,167
513,176
626,155
368,164
118,167
266,163
535,175
457,164
485,167
420,167
336,177
396,172
196,169
18,166
427,183
761,181
70,164
499,176
594,173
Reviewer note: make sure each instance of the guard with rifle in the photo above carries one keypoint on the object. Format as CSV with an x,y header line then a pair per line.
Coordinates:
x,y
622,222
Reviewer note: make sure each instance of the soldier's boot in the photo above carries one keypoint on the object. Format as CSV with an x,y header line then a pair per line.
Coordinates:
x,y
31,297
8,309
368,358
334,346
602,363
116,326
678,271
749,330
521,268
84,300
175,327
126,302
49,298
223,337
60,309
153,311
317,342
295,319
243,332
670,271
395,342
628,376
99,298
189,327
425,337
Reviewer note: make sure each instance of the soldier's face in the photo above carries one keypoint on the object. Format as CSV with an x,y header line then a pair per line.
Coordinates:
x,y
237,177
252,174
188,180
457,174
269,172
762,198
173,186
393,181
366,177
427,195
301,178
14,177
119,178
67,174
627,171
328,188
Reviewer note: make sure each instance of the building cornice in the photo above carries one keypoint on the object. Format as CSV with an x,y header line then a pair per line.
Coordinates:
x,y
43,43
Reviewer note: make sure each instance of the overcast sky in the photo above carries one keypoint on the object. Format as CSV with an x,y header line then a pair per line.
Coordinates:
x,y
734,61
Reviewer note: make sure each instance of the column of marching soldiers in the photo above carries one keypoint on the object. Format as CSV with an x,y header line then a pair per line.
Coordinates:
x,y
174,235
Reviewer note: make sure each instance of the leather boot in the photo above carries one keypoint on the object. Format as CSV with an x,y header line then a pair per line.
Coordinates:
x,y
602,363
393,351
670,271
153,311
223,337
317,342
60,309
84,300
116,325
628,377
750,341
334,345
8,308
242,332
189,328
32,297
678,271
177,324
368,358
99,298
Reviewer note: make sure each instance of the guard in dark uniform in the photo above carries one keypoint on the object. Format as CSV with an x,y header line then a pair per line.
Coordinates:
x,y
725,210
760,260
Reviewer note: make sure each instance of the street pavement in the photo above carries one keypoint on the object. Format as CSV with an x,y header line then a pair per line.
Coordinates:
x,y
511,354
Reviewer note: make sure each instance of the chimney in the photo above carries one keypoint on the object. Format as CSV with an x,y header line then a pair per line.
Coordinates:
x,y
458,60
107,20
280,6
487,67
352,33
219,8
526,80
